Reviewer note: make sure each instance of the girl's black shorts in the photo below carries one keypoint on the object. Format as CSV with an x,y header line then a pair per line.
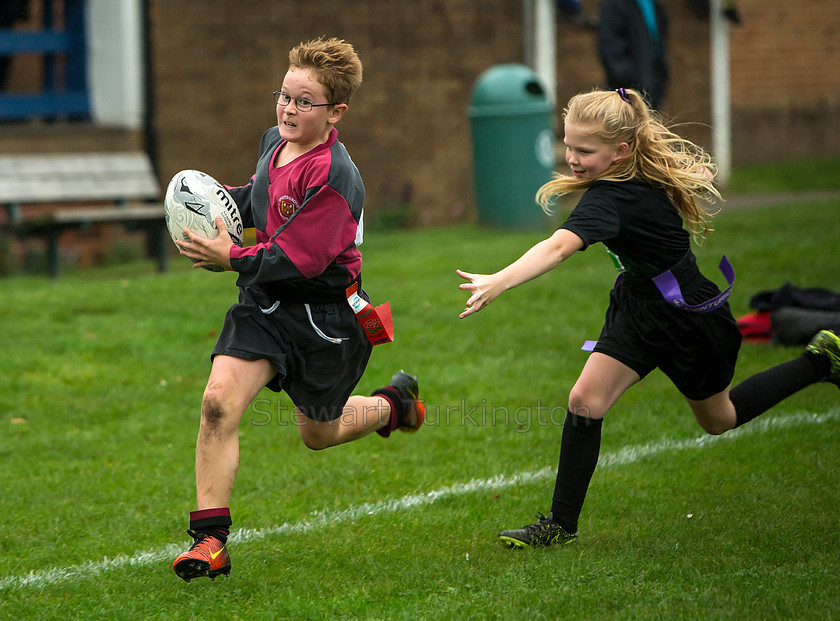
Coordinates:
x,y
319,350
697,351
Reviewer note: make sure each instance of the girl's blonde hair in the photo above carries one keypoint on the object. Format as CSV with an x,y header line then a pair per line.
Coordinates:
x,y
657,155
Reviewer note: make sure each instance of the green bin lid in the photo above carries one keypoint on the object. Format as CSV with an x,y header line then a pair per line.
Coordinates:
x,y
506,89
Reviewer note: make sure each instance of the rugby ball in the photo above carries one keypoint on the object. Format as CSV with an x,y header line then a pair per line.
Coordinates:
x,y
192,201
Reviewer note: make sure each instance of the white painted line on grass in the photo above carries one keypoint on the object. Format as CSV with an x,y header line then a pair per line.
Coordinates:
x,y
322,519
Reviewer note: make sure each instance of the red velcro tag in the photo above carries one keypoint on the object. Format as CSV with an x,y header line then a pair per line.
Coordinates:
x,y
376,322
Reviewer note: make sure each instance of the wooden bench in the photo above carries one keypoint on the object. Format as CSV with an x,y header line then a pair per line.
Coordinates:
x,y
82,190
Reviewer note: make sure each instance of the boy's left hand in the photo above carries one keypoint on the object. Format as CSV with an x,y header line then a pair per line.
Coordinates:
x,y
207,252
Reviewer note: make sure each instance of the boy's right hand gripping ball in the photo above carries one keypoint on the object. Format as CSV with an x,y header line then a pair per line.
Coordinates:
x,y
193,200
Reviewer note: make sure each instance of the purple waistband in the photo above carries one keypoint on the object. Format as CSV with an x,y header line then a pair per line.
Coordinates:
x,y
670,290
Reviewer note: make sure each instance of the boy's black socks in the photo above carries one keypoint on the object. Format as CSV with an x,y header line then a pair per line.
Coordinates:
x,y
757,394
219,534
399,409
215,522
579,451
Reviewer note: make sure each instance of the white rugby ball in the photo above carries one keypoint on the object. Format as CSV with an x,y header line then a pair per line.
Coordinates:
x,y
193,200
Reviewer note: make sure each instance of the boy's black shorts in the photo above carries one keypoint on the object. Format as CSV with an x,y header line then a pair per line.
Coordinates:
x,y
319,350
697,351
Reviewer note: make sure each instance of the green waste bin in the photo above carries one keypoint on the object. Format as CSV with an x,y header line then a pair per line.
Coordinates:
x,y
513,146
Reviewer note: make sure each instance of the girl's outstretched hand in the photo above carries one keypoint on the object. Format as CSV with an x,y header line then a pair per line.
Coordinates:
x,y
483,289
541,258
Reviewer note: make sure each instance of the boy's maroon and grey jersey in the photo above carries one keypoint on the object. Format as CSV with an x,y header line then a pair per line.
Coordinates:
x,y
308,220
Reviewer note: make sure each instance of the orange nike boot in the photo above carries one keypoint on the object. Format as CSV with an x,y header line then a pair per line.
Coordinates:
x,y
208,556
408,412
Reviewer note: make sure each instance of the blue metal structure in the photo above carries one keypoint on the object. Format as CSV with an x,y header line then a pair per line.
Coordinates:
x,y
66,98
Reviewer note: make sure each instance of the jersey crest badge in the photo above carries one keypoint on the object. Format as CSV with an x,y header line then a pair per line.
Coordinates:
x,y
287,207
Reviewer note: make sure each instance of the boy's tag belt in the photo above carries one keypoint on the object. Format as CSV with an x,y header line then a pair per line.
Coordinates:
x,y
376,322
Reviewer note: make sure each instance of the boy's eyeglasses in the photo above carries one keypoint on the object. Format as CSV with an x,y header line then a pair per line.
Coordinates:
x,y
301,103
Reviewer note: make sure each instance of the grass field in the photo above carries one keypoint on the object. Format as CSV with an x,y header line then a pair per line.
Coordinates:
x,y
101,375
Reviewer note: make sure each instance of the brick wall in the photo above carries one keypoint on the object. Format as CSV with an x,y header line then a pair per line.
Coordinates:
x,y
785,53
214,69
406,129
785,74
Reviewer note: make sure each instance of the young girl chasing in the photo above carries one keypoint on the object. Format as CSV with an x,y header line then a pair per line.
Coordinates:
x,y
641,183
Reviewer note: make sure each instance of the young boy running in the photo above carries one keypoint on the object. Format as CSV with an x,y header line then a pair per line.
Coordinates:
x,y
292,328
